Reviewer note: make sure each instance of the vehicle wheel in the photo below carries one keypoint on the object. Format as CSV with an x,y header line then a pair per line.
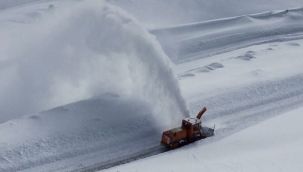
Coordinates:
x,y
173,145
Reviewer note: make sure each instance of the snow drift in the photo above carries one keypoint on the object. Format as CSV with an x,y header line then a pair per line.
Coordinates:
x,y
79,52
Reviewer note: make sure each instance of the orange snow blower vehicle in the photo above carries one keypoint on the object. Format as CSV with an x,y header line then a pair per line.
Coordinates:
x,y
190,131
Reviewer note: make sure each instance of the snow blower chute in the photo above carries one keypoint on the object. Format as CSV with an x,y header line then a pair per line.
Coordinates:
x,y
190,131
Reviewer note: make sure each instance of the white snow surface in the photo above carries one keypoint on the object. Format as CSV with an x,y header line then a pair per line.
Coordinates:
x,y
111,89
202,39
97,130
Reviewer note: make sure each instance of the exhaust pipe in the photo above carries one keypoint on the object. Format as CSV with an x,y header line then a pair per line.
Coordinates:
x,y
199,115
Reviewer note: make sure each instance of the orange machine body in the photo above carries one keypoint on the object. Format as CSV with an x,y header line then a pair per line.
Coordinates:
x,y
189,131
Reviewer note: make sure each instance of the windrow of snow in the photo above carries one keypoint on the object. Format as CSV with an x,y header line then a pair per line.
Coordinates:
x,y
79,51
199,40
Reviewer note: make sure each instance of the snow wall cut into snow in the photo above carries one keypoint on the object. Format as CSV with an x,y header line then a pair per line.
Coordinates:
x,y
82,52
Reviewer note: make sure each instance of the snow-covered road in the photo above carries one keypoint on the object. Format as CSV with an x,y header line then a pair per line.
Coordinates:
x,y
272,145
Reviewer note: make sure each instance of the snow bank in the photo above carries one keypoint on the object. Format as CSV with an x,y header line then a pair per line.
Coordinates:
x,y
88,132
80,51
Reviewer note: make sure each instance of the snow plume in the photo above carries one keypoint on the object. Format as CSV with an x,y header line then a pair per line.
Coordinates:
x,y
84,51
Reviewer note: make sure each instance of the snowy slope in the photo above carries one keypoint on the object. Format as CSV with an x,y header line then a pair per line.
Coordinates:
x,y
246,86
241,89
89,131
239,68
173,12
198,40
273,145
121,92
159,13
95,131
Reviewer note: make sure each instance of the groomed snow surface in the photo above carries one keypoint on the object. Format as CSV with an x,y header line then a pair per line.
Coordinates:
x,y
84,83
